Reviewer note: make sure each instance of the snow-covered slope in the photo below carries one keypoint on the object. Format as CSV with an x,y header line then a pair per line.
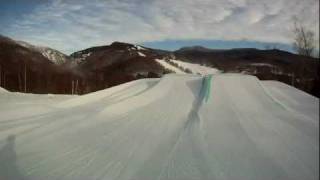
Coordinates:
x,y
225,126
196,68
53,55
181,67
171,67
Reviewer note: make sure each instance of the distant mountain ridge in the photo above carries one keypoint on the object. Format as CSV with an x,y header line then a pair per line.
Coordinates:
x,y
195,48
100,67
299,71
23,69
53,55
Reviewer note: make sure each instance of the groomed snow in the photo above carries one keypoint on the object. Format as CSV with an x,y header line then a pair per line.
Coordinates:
x,y
163,129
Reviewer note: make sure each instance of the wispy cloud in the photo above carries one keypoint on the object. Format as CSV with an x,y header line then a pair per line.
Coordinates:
x,y
70,25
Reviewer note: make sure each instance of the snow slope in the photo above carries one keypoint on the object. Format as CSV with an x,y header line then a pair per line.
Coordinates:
x,y
225,126
196,68
141,54
172,68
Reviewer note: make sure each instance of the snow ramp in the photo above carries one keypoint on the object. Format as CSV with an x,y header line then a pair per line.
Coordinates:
x,y
179,127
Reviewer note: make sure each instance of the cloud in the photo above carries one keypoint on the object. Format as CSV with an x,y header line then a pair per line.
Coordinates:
x,y
70,25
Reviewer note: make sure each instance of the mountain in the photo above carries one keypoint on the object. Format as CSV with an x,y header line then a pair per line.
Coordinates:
x,y
53,55
117,51
82,72
26,70
101,67
107,66
195,48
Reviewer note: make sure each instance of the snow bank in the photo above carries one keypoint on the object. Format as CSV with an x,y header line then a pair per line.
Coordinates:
x,y
164,129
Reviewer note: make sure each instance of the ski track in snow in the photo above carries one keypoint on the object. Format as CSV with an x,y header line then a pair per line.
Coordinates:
x,y
194,68
169,66
141,54
163,129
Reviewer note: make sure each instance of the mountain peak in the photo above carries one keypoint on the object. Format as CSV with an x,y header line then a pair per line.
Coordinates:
x,y
117,44
53,55
194,48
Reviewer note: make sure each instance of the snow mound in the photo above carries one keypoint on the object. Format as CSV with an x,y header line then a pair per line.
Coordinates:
x,y
223,126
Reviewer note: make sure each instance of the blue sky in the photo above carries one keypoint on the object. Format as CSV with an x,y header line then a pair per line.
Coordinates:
x,y
71,25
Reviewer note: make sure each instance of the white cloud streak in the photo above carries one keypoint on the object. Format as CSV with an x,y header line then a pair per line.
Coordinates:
x,y
70,25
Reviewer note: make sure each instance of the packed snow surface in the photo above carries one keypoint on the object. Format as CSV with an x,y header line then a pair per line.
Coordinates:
x,y
225,126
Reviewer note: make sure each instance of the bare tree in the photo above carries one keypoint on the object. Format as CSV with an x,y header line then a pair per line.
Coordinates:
x,y
304,39
25,77
19,81
4,79
72,87
77,83
0,75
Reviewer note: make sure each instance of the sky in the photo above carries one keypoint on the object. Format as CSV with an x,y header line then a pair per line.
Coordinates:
x,y
72,25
